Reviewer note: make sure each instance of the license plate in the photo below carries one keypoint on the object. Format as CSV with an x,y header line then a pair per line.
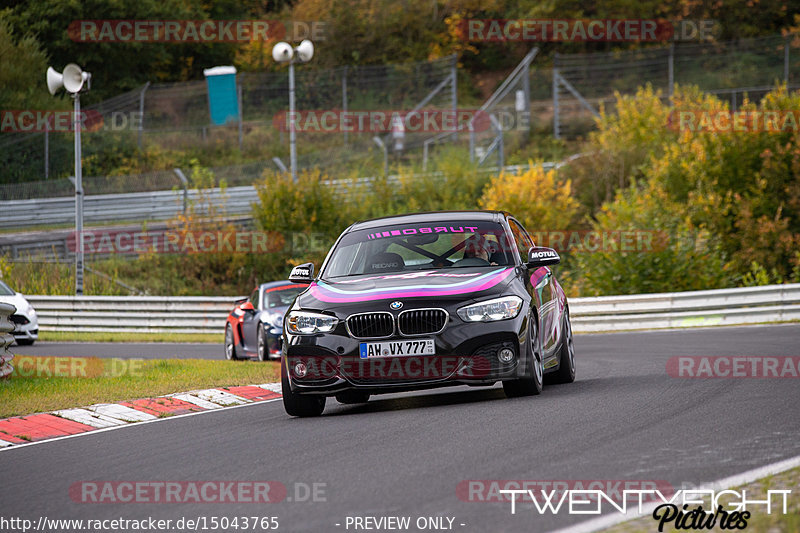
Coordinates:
x,y
368,350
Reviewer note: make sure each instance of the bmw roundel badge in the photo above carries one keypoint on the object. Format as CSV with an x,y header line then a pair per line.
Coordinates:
x,y
396,305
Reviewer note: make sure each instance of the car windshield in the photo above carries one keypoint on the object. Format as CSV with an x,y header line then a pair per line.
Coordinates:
x,y
422,246
5,290
282,296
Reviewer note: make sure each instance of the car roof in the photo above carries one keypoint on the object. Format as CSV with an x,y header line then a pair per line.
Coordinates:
x,y
430,216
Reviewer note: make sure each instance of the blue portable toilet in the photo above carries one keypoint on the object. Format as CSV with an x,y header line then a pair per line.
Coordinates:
x,y
223,102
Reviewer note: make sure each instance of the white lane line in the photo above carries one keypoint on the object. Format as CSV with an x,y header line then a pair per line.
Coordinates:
x,y
89,418
112,428
120,412
603,522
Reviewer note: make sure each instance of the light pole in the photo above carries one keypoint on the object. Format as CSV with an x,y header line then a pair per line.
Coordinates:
x,y
73,80
283,53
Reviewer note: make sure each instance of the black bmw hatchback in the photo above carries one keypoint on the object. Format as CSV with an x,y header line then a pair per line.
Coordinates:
x,y
426,300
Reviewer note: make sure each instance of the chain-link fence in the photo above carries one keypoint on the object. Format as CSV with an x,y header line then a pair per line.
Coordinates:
x,y
563,100
177,116
569,96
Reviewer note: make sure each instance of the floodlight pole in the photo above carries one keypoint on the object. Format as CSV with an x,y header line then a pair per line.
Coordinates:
x,y
292,139
78,198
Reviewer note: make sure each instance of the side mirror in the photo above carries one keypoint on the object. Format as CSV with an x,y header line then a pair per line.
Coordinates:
x,y
539,256
302,273
247,306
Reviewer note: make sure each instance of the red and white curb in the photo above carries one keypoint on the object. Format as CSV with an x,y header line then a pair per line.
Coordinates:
x,y
66,422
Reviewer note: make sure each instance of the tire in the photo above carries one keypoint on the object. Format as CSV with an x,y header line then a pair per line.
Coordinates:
x,y
25,342
530,384
297,404
261,342
350,397
230,347
566,364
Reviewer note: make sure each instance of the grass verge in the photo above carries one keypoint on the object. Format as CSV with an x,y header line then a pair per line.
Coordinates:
x,y
44,384
759,522
126,336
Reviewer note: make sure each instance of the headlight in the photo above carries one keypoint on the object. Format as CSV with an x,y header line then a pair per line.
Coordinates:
x,y
497,309
277,321
304,323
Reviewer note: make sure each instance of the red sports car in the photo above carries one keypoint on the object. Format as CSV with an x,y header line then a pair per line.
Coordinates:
x,y
255,325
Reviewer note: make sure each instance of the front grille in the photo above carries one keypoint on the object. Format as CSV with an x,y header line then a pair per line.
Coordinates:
x,y
18,319
371,325
421,321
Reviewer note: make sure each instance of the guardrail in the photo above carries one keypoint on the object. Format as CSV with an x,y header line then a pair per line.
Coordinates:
x,y
197,314
148,314
104,208
160,205
6,339
745,305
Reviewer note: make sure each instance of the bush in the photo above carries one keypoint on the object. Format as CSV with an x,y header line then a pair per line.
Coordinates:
x,y
537,197
682,258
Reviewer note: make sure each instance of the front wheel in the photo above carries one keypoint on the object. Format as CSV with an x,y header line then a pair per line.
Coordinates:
x,y
530,384
298,404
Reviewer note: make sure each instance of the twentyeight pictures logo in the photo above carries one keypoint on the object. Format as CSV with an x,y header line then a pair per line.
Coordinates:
x,y
685,509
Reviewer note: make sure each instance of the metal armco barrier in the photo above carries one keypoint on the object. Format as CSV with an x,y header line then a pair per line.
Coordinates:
x,y
161,205
746,305
197,314
6,327
179,314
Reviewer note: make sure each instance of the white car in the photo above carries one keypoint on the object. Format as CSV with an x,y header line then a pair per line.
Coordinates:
x,y
24,318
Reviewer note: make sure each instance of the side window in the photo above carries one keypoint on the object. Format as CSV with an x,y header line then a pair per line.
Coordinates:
x,y
521,238
254,298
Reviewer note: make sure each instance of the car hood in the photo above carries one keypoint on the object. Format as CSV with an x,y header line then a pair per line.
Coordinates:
x,y
424,283
18,301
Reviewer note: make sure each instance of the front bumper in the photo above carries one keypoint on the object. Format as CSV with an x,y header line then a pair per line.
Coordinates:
x,y
466,353
26,327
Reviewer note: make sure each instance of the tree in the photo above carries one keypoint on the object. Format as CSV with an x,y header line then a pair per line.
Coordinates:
x,y
22,83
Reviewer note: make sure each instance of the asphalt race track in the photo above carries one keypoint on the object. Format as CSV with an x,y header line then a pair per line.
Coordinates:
x,y
404,455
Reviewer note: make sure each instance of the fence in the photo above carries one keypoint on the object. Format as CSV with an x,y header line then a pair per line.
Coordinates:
x,y
579,84
564,100
6,339
177,115
749,305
